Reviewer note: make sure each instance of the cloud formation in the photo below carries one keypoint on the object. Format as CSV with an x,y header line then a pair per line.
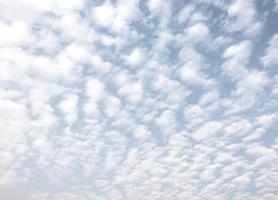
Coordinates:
x,y
138,100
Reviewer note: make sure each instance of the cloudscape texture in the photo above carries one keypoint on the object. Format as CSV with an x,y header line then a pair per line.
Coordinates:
x,y
138,99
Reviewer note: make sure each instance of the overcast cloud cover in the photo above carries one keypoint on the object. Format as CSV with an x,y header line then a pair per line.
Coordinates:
x,y
138,99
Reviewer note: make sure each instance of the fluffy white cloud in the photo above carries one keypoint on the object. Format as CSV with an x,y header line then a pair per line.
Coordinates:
x,y
94,89
132,92
207,131
244,17
191,74
29,11
141,132
194,115
238,128
135,58
198,32
185,14
266,120
68,106
14,34
115,17
103,15
237,57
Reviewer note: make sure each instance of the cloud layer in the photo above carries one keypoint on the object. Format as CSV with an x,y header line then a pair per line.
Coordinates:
x,y
138,100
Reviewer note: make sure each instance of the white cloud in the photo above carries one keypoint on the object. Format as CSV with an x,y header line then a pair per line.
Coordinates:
x,y
166,119
112,106
266,120
198,32
244,17
133,92
238,128
194,115
247,90
68,106
190,73
94,89
241,181
95,92
254,135
209,97
30,10
135,58
140,132
115,17
14,34
207,131
69,5
103,15
241,51
237,56
270,58
98,63
185,14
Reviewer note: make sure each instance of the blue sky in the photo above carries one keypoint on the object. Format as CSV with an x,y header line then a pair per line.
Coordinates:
x,y
138,99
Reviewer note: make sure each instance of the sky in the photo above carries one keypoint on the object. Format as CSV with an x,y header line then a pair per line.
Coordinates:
x,y
139,99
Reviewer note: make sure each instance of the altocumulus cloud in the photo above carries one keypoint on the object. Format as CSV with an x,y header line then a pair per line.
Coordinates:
x,y
138,99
